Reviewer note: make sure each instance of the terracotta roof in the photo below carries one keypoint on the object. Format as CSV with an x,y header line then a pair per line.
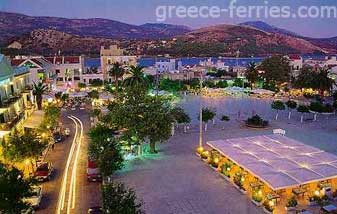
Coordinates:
x,y
17,62
71,59
294,57
64,59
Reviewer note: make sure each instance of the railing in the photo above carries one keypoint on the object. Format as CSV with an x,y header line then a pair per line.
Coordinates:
x,y
11,100
9,125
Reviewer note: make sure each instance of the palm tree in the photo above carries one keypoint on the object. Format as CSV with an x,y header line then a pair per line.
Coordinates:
x,y
252,74
116,71
38,90
137,78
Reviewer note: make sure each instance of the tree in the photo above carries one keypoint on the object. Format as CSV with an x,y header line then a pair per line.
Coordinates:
x,y
38,90
81,85
302,109
137,78
276,70
181,117
94,94
222,84
322,81
96,83
14,188
51,117
207,115
117,71
156,121
225,118
105,149
291,106
278,106
252,74
118,199
26,147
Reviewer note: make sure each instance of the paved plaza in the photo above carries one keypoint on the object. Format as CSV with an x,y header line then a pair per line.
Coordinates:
x,y
176,181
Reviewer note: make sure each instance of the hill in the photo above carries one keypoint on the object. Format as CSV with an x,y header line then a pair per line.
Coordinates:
x,y
13,25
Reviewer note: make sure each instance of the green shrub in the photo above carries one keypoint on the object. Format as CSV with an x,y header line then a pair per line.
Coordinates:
x,y
257,121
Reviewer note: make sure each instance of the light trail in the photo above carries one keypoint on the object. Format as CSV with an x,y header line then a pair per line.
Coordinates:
x,y
62,194
72,187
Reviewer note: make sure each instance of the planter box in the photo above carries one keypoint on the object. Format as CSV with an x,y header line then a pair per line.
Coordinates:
x,y
259,204
267,211
225,177
238,188
215,169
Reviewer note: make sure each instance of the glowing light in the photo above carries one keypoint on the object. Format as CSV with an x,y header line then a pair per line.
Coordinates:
x,y
27,161
50,100
228,169
200,149
271,203
242,179
259,192
216,160
316,193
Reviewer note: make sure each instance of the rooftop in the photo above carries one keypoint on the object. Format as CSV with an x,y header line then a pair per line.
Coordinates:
x,y
279,161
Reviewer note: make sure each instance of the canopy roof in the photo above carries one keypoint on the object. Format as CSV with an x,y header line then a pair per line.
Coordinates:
x,y
279,161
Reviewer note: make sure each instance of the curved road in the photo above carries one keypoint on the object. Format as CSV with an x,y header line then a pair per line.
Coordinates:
x,y
69,192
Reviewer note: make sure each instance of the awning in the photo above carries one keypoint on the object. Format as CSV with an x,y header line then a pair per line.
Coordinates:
x,y
279,161
34,120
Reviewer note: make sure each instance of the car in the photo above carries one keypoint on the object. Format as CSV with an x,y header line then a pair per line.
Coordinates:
x,y
67,132
93,173
43,171
35,199
95,210
57,137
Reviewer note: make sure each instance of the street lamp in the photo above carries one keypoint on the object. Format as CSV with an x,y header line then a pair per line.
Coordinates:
x,y
200,148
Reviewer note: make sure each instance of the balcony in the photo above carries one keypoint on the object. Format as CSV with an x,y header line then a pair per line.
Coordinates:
x,y
11,124
10,101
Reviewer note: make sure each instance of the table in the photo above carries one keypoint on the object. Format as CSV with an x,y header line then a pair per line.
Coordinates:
x,y
272,195
299,191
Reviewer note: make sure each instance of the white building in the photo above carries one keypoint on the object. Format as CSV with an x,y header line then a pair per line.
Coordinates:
x,y
68,70
168,66
296,64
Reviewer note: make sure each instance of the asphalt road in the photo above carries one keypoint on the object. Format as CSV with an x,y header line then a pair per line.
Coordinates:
x,y
82,194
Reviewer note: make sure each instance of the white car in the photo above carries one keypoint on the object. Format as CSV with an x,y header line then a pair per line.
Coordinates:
x,y
67,131
35,199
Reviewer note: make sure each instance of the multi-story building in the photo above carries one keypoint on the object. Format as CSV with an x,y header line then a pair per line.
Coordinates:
x,y
16,99
69,70
296,64
40,69
111,55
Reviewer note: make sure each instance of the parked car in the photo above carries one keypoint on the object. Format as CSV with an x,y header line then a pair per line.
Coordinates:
x,y
95,210
67,132
35,199
93,173
43,171
57,137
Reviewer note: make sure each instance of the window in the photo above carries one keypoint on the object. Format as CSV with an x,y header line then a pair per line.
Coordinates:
x,y
57,71
60,79
85,80
77,78
76,72
70,79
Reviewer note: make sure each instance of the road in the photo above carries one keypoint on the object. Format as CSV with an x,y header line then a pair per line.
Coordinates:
x,y
68,191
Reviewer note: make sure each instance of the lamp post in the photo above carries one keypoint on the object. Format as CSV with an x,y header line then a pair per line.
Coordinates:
x,y
200,148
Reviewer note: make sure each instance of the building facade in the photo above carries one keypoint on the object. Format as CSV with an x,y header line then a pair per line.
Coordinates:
x,y
111,55
68,69
16,99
